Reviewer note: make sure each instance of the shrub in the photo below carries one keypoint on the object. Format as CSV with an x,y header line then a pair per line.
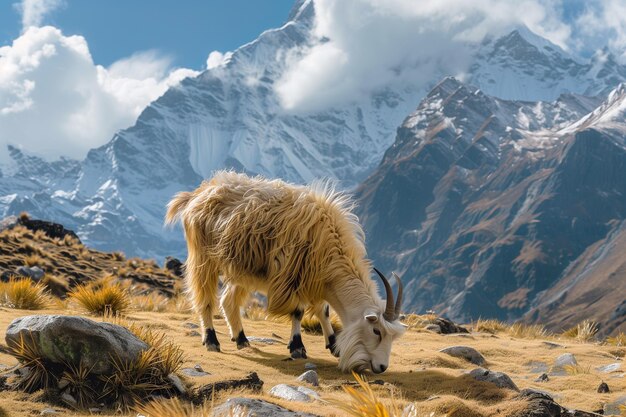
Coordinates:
x,y
311,324
24,294
151,302
175,408
39,375
107,299
118,256
419,321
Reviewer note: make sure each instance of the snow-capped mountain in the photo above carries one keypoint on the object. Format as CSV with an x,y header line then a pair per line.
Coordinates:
x,y
230,117
495,208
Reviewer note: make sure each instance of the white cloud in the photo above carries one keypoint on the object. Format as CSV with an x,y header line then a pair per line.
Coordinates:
x,y
366,44
34,11
216,58
603,23
54,101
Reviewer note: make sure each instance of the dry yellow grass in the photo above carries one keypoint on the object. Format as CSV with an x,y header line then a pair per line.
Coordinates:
x,y
171,408
419,321
99,300
22,293
618,340
419,375
527,331
582,332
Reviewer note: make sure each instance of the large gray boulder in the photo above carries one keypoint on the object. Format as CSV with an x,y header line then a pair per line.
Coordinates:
x,y
250,407
74,340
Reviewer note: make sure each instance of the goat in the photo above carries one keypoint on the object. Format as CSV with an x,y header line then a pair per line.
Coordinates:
x,y
302,246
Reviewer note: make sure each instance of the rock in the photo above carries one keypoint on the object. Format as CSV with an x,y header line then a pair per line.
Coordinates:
x,y
194,372
95,410
551,345
69,399
614,367
448,327
48,411
193,333
433,328
500,379
8,223
34,272
310,365
265,340
190,325
614,407
52,230
603,388
72,340
540,404
468,353
542,378
249,407
310,377
174,265
566,359
293,393
177,383
537,367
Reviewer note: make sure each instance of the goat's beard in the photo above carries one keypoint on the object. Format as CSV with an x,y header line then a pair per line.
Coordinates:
x,y
352,353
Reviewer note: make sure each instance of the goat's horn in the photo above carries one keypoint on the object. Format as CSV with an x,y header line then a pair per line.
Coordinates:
x,y
389,308
399,297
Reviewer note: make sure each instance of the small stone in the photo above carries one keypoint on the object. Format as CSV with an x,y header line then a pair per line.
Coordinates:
x,y
614,367
603,388
293,393
48,411
614,407
193,333
468,353
193,372
310,365
95,410
198,367
69,399
433,328
551,345
177,383
310,377
265,340
500,379
537,367
543,378
190,325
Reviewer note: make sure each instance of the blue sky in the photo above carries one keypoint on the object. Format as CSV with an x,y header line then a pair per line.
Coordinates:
x,y
187,31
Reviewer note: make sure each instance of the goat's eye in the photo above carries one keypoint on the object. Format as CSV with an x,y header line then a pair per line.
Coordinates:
x,y
377,333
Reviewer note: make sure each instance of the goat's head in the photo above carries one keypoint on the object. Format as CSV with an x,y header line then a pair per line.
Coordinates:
x,y
366,343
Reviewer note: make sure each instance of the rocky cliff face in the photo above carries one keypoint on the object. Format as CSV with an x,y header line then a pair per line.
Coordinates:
x,y
483,204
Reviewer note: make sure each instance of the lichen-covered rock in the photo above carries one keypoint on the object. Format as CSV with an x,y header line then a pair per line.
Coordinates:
x,y
309,376
33,272
74,340
566,359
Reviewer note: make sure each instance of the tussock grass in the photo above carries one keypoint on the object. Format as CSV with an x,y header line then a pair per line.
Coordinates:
x,y
490,326
255,311
173,408
582,332
118,256
528,331
24,294
419,321
151,302
618,340
100,300
365,402
39,375
35,260
57,284
78,381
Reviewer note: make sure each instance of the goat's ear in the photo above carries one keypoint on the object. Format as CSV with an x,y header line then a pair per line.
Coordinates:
x,y
372,318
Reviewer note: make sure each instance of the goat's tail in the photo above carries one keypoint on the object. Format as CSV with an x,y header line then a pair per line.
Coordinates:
x,y
176,206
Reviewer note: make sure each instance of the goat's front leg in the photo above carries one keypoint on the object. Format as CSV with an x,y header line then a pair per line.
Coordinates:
x,y
322,312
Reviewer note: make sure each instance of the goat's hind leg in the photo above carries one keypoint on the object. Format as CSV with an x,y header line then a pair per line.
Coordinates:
x,y
202,278
296,347
233,296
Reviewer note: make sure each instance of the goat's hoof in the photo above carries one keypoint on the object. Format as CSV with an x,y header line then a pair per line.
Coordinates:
x,y
212,348
243,345
299,353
